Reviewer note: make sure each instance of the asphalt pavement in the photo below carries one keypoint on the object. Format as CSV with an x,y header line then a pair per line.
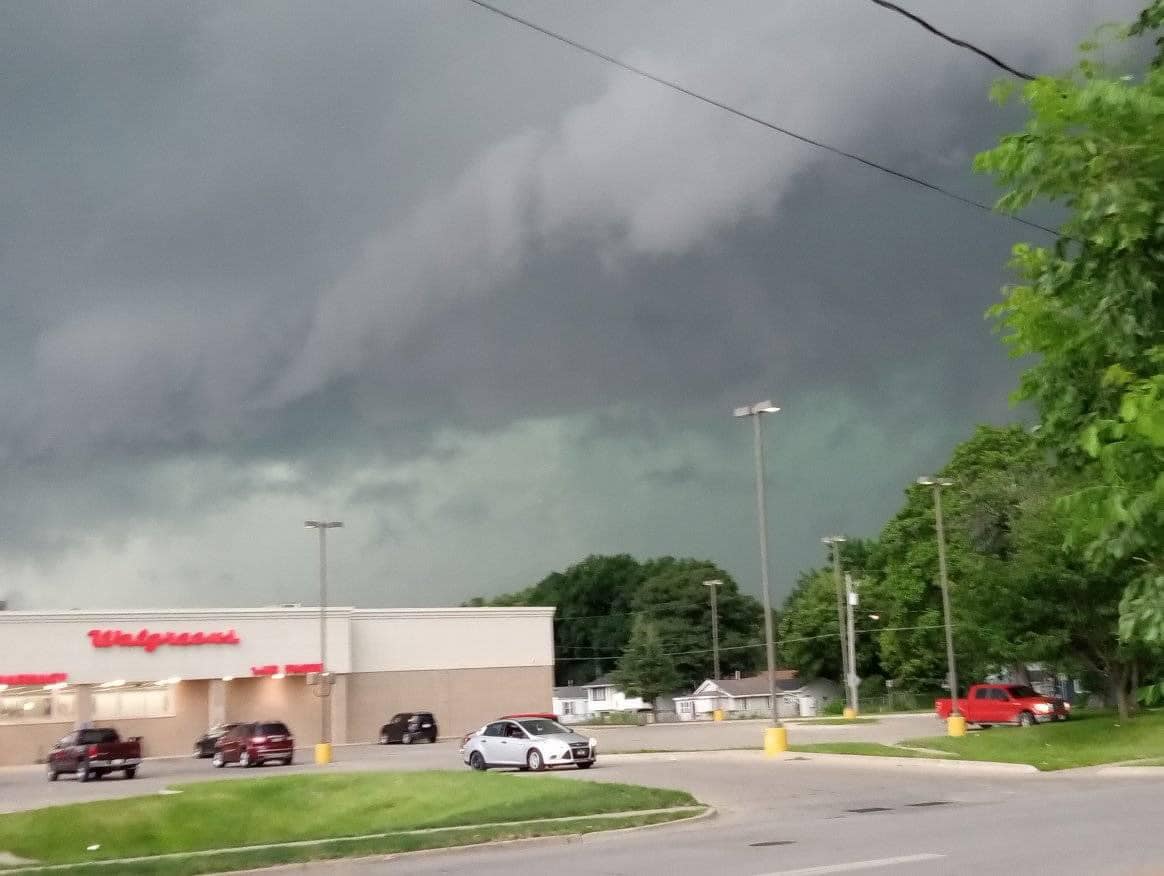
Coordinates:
x,y
780,818
27,787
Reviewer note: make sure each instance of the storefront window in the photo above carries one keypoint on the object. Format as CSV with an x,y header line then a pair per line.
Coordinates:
x,y
37,706
28,706
130,702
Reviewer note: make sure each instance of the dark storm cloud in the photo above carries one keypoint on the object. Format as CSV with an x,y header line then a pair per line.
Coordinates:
x,y
416,263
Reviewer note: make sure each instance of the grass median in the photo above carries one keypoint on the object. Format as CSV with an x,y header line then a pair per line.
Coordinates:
x,y
236,814
1088,739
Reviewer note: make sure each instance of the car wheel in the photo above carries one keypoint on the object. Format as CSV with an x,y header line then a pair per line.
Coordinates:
x,y
244,759
432,739
383,738
534,761
406,739
1026,719
477,762
585,766
130,772
53,775
218,761
83,771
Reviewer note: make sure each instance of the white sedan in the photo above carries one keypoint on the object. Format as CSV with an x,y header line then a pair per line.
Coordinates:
x,y
528,744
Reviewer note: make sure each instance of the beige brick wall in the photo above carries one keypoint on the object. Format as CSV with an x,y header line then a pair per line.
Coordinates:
x,y
289,700
29,743
461,699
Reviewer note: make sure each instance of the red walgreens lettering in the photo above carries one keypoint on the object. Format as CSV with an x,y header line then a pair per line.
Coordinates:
x,y
25,678
150,641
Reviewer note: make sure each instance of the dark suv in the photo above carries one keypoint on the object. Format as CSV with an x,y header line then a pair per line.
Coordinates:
x,y
255,743
204,744
409,727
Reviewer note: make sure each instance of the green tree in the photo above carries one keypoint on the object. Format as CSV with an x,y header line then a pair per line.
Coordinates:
x,y
598,598
674,599
809,637
646,669
1090,308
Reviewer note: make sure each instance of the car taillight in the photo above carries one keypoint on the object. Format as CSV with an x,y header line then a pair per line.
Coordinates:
x,y
94,751
257,739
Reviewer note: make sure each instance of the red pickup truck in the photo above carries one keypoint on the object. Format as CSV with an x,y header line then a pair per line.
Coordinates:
x,y
989,704
93,753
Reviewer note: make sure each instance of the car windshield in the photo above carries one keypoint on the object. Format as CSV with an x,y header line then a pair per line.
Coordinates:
x,y
399,719
273,730
542,727
1022,691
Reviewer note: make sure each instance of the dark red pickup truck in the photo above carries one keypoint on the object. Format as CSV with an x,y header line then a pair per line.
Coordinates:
x,y
988,704
93,753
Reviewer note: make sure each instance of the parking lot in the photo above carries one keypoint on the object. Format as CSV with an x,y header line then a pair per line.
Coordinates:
x,y
26,787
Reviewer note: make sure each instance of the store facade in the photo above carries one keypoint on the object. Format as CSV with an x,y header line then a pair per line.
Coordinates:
x,y
167,675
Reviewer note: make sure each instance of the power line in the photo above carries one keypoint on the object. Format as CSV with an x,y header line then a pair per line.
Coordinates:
x,y
597,657
772,126
893,7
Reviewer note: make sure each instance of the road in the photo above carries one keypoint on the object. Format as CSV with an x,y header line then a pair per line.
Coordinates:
x,y
775,818
788,817
27,788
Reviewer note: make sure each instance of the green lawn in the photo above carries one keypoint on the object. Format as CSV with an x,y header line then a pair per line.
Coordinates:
x,y
223,814
867,748
1086,740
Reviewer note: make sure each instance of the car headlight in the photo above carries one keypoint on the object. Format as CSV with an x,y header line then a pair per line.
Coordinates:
x,y
593,744
1043,707
1067,706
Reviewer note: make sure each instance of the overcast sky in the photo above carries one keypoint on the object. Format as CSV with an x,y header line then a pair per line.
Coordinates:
x,y
487,300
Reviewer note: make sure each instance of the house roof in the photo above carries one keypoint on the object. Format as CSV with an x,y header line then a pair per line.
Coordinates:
x,y
570,692
601,681
752,686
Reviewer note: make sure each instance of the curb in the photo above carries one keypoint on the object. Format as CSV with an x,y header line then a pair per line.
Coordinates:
x,y
562,839
1141,772
917,764
205,854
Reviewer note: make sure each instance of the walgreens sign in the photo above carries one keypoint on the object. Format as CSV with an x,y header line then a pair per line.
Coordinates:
x,y
150,641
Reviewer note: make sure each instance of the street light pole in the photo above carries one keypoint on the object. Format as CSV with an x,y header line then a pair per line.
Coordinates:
x,y
956,725
775,737
714,627
834,542
323,750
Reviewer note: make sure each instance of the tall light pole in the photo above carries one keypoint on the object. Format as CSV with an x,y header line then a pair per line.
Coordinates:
x,y
775,737
323,682
713,585
956,725
834,542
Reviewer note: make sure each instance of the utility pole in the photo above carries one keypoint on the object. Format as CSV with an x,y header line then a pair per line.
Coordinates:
x,y
851,679
834,542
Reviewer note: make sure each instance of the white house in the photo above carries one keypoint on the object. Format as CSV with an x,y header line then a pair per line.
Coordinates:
x,y
603,696
741,697
570,704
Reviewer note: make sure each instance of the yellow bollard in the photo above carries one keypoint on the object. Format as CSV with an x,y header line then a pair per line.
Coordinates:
x,y
849,713
717,715
956,726
323,753
775,741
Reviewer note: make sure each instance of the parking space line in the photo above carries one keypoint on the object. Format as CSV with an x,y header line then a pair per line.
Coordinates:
x,y
853,866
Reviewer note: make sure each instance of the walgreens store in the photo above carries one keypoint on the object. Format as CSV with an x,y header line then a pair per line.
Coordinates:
x,y
169,675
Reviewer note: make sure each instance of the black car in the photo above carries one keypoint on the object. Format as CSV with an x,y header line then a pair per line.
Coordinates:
x,y
204,745
409,727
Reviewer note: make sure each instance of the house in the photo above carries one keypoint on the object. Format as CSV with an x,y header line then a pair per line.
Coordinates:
x,y
603,696
749,697
570,704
